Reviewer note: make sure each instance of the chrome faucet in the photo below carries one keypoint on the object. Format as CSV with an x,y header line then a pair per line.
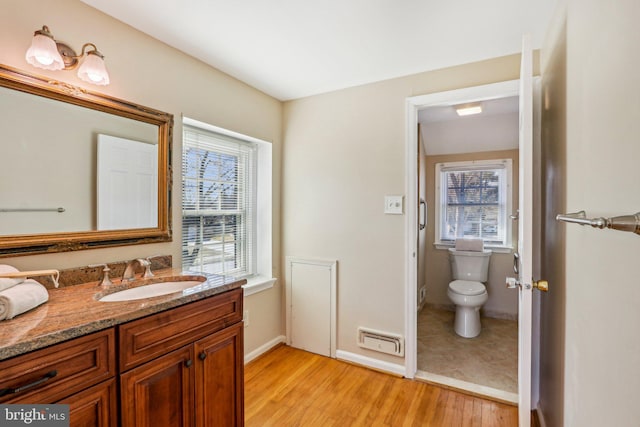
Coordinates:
x,y
130,271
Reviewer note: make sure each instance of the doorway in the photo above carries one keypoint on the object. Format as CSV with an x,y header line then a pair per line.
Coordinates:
x,y
486,365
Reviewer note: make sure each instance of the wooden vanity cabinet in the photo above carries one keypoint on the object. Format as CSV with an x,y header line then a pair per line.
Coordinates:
x,y
184,366
180,367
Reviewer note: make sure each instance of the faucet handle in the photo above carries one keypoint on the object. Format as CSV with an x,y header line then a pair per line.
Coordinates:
x,y
106,281
147,267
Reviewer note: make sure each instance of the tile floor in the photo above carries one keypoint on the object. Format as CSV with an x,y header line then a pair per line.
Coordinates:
x,y
490,359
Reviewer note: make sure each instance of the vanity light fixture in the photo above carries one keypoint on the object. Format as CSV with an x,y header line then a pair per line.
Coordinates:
x,y
468,109
47,53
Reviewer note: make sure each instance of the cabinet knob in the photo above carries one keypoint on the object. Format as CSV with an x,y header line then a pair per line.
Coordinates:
x,y
188,363
202,356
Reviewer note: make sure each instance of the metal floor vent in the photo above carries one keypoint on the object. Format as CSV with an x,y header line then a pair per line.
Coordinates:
x,y
383,342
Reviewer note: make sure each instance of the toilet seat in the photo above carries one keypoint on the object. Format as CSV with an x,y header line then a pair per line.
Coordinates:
x,y
466,287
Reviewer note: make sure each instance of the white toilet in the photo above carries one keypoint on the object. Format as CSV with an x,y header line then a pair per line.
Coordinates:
x,y
467,291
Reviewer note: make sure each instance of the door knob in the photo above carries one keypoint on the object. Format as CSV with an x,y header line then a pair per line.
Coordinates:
x,y
541,285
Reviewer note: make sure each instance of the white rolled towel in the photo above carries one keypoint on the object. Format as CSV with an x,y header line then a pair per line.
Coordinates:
x,y
6,283
21,298
476,245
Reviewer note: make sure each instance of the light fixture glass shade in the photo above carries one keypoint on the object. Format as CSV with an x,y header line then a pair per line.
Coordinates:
x,y
93,70
43,53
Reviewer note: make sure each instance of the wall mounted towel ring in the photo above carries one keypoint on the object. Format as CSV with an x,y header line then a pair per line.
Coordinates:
x,y
629,223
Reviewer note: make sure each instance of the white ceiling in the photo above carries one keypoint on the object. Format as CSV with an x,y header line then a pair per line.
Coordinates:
x,y
295,48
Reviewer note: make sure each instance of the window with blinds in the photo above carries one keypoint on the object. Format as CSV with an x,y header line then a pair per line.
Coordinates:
x,y
473,201
218,203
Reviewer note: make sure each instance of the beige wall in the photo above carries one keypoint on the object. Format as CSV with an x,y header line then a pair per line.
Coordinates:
x,y
503,302
148,72
602,351
596,303
344,151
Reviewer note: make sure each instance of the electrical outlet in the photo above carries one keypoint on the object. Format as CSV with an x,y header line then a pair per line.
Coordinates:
x,y
245,318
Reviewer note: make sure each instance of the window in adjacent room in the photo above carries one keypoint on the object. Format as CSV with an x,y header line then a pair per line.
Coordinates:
x,y
473,200
226,202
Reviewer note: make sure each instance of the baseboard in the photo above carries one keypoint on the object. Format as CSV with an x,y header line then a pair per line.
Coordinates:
x,y
541,420
264,348
369,362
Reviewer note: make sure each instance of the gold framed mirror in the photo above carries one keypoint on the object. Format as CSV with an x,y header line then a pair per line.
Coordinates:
x,y
80,170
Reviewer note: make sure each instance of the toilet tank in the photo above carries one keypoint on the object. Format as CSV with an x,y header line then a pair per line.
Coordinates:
x,y
469,265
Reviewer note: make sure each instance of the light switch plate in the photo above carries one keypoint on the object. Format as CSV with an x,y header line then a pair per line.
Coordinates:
x,y
393,205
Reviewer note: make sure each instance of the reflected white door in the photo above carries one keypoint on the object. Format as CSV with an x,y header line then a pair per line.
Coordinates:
x,y
524,259
127,184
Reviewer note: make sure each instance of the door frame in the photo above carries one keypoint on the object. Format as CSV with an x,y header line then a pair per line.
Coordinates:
x,y
413,106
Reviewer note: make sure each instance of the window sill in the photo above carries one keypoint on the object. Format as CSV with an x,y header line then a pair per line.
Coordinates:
x,y
258,284
497,249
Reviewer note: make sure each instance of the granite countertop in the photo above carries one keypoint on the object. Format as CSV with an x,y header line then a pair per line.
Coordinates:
x,y
74,311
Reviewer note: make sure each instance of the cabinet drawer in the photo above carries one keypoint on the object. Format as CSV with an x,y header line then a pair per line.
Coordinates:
x,y
145,339
53,373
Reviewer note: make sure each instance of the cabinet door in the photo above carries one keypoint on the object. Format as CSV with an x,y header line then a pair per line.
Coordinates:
x,y
94,407
160,392
220,378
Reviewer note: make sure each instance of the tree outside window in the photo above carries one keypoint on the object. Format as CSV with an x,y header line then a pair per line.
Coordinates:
x,y
473,200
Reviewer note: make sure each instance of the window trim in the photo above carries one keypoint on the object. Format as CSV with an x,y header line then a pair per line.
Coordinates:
x,y
507,164
262,279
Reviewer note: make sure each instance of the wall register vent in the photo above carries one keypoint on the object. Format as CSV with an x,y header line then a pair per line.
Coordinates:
x,y
383,342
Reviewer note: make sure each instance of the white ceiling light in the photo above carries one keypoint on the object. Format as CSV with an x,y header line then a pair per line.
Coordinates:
x,y
468,109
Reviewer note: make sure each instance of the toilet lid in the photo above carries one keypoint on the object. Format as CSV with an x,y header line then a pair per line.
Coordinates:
x,y
466,287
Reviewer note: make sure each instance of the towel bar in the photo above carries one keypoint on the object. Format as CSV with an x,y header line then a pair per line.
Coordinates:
x,y
629,223
55,275
59,210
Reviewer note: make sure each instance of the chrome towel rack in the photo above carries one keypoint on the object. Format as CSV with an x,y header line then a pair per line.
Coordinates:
x,y
629,223
59,210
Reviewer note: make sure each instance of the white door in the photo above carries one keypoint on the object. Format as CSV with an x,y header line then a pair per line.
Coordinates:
x,y
523,260
311,305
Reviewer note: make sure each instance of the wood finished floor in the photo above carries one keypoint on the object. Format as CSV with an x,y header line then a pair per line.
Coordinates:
x,y
290,387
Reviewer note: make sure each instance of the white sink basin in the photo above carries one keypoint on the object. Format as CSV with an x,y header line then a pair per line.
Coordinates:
x,y
150,291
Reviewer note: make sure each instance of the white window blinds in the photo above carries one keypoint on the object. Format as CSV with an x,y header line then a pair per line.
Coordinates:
x,y
218,203
473,201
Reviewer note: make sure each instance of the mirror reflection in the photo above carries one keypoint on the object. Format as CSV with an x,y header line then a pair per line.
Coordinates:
x,y
69,168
